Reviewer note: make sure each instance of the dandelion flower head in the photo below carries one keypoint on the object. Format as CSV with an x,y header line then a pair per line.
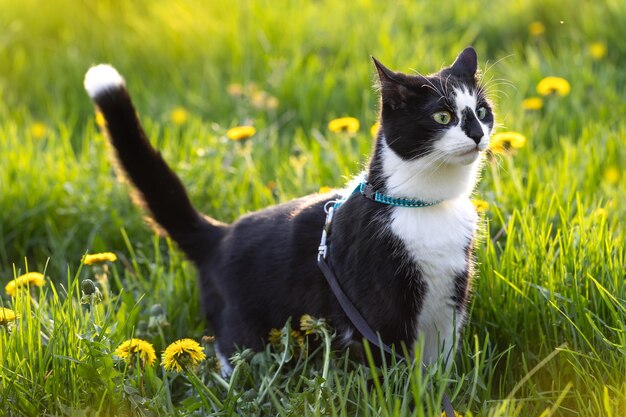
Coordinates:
x,y
310,324
100,120
98,258
501,142
551,85
38,130
298,337
179,115
344,125
182,354
532,103
7,316
234,89
26,280
536,28
240,132
597,50
599,212
611,175
481,205
133,349
374,129
274,337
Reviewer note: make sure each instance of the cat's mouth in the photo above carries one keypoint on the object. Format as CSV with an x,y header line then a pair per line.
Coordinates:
x,y
466,157
471,152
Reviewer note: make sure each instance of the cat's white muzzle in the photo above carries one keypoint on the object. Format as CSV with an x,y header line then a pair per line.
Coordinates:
x,y
468,157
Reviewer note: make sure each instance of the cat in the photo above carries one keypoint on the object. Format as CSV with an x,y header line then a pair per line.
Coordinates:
x,y
407,270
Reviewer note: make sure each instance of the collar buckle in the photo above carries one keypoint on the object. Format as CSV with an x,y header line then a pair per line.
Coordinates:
x,y
369,192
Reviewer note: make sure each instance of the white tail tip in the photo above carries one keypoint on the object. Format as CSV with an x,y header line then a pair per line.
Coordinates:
x,y
101,78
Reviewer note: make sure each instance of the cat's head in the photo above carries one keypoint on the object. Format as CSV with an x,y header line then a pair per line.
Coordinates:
x,y
444,116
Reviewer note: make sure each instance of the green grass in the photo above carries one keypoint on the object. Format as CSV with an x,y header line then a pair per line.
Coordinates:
x,y
547,334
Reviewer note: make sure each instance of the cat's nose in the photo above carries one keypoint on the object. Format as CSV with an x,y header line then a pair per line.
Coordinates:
x,y
476,134
471,126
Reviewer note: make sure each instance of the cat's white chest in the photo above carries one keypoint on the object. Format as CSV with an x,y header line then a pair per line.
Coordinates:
x,y
436,239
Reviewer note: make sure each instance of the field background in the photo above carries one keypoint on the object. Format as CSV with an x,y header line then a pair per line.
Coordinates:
x,y
547,334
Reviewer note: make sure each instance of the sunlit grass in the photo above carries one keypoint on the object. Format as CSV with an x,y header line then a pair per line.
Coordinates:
x,y
547,334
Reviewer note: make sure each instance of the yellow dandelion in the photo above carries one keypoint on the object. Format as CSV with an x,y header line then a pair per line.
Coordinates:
x,y
258,99
262,100
344,125
234,89
310,324
38,130
307,323
7,316
100,120
240,132
98,258
374,129
536,28
179,115
611,175
325,189
272,102
481,205
274,337
532,103
551,85
497,147
133,349
599,212
182,354
26,280
503,141
299,338
597,50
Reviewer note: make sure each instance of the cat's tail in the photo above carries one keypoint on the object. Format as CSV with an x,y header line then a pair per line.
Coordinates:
x,y
158,186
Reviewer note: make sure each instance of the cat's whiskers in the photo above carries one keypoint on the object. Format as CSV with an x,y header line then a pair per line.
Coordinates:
x,y
430,84
389,143
445,89
498,81
485,87
428,159
447,157
420,155
488,66
441,95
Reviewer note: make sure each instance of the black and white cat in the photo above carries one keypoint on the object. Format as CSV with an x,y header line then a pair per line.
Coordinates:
x,y
406,270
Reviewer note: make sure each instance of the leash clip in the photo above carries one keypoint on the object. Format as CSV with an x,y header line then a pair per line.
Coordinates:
x,y
322,250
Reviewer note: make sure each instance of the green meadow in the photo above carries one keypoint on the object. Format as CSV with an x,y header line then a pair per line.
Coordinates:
x,y
547,330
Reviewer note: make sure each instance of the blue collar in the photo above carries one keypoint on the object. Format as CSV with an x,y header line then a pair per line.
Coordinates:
x,y
367,190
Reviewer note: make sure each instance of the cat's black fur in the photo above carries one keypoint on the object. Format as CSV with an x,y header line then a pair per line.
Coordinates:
x,y
257,272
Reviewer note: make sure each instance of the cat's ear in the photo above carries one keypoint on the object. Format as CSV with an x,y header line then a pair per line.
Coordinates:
x,y
466,64
392,86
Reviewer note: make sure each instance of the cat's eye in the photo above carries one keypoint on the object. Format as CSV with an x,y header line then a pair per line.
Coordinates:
x,y
481,113
442,117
